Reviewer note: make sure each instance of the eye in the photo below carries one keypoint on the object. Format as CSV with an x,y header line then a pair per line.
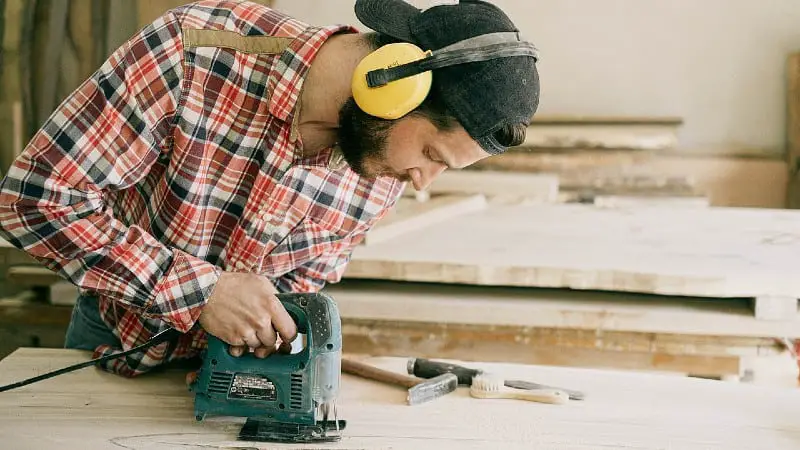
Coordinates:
x,y
429,154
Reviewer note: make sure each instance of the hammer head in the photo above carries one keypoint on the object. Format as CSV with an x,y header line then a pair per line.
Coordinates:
x,y
432,388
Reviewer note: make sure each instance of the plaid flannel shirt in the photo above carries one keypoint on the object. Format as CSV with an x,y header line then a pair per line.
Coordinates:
x,y
180,158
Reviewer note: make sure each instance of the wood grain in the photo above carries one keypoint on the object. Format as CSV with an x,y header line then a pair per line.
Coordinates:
x,y
698,319
91,409
725,180
611,136
410,214
704,252
793,129
496,186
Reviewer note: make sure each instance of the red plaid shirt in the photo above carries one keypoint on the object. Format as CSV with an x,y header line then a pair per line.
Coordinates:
x,y
180,158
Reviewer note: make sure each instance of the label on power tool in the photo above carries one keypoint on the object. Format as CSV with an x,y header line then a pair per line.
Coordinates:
x,y
252,387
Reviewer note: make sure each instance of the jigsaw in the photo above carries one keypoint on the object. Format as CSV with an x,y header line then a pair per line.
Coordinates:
x,y
285,398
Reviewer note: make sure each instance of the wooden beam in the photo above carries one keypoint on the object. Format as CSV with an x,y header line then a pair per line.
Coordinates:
x,y
593,311
726,181
497,186
704,252
793,129
601,135
429,340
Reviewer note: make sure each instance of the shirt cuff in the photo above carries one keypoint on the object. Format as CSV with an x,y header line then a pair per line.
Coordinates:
x,y
183,291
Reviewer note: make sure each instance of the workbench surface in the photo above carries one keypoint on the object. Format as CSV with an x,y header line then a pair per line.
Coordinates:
x,y
90,409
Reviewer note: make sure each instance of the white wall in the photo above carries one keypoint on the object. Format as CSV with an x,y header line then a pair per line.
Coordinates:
x,y
718,64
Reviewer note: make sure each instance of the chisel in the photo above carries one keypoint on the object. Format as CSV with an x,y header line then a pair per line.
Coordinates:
x,y
426,368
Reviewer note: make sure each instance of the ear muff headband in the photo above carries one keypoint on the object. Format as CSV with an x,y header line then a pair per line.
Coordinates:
x,y
396,78
478,48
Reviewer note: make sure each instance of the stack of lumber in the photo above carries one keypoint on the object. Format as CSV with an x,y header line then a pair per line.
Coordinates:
x,y
511,273
622,160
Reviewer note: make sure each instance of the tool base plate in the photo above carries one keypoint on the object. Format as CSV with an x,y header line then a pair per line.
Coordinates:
x,y
267,431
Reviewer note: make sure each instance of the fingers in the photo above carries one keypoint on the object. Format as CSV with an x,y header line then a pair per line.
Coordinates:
x,y
237,350
268,340
191,377
285,347
283,322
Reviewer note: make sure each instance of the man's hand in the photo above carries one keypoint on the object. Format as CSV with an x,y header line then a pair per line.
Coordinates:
x,y
244,311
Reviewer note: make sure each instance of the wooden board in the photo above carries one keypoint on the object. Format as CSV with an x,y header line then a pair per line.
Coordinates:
x,y
528,308
606,133
726,180
410,214
496,186
704,252
793,129
537,326
560,327
564,348
91,409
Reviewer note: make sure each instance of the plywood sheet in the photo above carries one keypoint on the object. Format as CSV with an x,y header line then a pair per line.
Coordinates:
x,y
705,252
91,409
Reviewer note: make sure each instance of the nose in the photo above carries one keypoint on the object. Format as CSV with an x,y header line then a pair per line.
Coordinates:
x,y
422,177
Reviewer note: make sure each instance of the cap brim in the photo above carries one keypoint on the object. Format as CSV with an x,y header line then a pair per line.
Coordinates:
x,y
392,17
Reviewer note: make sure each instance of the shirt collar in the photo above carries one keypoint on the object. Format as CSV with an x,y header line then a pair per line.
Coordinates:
x,y
290,69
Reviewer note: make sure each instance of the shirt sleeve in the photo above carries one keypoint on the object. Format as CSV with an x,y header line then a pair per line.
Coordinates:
x,y
330,268
104,137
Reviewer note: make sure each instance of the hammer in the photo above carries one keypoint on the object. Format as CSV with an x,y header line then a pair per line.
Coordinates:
x,y
420,390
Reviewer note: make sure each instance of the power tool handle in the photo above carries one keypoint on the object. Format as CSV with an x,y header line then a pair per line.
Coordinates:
x,y
373,373
425,368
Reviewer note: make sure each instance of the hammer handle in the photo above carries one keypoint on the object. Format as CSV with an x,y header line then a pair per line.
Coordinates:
x,y
425,368
373,373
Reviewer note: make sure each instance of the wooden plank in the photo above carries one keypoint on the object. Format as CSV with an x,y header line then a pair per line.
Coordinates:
x,y
598,312
496,186
502,345
727,181
704,252
51,59
657,200
433,338
603,136
553,119
793,129
411,214
92,409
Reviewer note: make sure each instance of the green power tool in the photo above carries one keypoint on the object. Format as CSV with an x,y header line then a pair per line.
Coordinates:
x,y
285,397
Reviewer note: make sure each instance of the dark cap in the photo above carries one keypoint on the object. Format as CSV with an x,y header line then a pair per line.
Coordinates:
x,y
483,95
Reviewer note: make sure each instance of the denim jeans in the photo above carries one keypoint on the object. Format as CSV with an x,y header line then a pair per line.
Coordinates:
x,y
86,328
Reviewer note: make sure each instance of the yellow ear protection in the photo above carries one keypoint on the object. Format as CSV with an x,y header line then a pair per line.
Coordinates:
x,y
394,79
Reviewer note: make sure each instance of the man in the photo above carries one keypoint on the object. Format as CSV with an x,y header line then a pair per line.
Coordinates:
x,y
218,157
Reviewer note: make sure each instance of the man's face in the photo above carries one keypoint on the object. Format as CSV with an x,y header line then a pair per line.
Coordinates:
x,y
409,149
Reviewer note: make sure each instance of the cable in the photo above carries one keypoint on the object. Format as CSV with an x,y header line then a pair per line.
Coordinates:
x,y
155,340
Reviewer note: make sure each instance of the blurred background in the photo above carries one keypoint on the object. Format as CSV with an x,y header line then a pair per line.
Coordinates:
x,y
674,103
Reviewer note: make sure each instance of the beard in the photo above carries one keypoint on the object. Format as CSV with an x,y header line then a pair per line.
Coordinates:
x,y
361,137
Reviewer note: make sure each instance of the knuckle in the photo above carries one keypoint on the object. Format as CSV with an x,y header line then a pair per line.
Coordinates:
x,y
264,324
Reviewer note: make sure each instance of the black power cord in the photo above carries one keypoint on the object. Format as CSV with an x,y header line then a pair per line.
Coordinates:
x,y
159,338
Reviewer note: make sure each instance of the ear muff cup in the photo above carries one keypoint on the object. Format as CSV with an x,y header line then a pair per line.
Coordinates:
x,y
399,97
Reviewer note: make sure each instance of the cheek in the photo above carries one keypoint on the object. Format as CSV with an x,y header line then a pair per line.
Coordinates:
x,y
400,146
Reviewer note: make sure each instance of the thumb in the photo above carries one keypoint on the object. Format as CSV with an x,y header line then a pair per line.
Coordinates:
x,y
191,377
